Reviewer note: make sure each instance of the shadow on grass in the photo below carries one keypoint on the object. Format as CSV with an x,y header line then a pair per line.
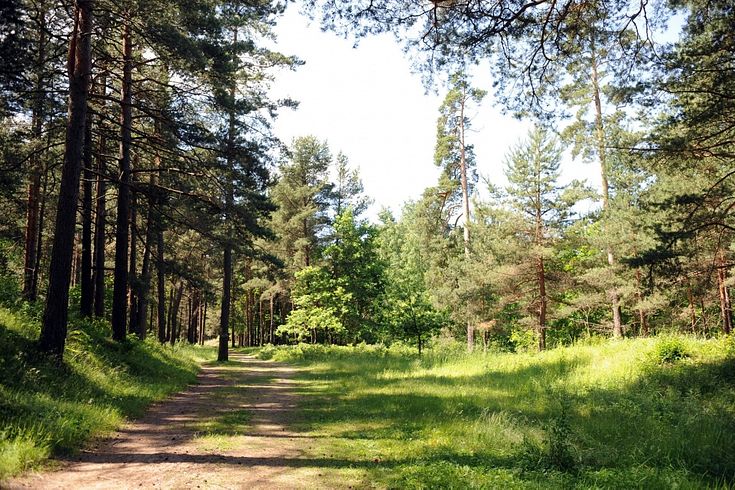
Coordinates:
x,y
291,462
99,382
672,417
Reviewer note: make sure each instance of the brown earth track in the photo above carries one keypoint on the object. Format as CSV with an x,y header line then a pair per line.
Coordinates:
x,y
170,446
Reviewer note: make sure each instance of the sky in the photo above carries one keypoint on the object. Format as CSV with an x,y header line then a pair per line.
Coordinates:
x,y
367,103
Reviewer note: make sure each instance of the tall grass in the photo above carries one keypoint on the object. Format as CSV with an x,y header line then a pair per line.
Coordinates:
x,y
49,409
639,413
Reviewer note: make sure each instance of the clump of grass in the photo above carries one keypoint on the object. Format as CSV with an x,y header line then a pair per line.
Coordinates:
x,y
49,409
232,423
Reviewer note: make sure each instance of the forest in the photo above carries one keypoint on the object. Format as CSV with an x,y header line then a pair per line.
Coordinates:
x,y
151,221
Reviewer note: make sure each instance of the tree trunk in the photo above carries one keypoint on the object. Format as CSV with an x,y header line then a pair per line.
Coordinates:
x,y
543,303
724,294
160,284
132,272
144,284
75,262
100,220
270,330
204,323
195,310
120,286
540,269
87,293
55,317
36,162
248,318
224,324
175,322
642,318
601,152
39,241
261,330
692,310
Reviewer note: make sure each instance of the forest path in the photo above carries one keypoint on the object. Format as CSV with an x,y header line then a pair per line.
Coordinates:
x,y
230,430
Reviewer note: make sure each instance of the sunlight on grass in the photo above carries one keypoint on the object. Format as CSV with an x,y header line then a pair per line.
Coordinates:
x,y
231,423
653,413
218,443
48,409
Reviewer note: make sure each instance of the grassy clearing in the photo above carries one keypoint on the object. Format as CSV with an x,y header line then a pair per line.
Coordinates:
x,y
47,409
642,413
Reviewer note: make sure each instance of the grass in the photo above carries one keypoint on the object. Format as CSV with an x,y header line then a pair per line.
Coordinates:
x,y
639,413
47,409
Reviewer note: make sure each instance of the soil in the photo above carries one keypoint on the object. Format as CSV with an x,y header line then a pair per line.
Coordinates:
x,y
229,430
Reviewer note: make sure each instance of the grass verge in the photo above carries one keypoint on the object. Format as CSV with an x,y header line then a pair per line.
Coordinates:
x,y
47,409
640,413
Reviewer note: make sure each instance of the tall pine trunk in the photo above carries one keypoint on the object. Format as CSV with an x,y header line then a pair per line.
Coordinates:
x,y
160,284
55,317
133,264
602,155
144,285
223,353
465,205
120,285
100,217
86,301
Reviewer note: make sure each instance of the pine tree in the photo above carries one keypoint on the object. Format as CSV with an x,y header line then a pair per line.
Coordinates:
x,y
455,156
543,208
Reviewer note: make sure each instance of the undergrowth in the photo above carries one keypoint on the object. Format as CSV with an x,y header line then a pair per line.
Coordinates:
x,y
638,413
49,409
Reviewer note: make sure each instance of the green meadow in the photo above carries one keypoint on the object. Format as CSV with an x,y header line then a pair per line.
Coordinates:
x,y
49,409
642,413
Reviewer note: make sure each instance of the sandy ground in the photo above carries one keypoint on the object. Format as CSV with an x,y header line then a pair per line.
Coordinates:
x,y
171,448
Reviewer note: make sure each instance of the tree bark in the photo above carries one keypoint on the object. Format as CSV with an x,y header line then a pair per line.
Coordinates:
x,y
55,317
160,284
120,286
133,264
176,303
194,317
204,323
100,221
260,321
270,318
224,324
144,284
87,292
724,294
39,237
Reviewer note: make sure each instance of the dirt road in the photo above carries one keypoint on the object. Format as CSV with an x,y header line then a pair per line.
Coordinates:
x,y
230,430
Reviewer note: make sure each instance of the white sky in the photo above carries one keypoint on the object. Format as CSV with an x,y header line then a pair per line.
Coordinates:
x,y
366,103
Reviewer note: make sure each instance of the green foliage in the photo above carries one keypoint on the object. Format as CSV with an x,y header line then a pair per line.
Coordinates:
x,y
9,285
407,310
321,305
669,350
49,409
338,300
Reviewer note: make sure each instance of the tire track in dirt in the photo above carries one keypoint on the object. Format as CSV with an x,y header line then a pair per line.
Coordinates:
x,y
229,430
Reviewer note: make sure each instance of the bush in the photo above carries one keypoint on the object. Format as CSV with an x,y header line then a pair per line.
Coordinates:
x,y
669,350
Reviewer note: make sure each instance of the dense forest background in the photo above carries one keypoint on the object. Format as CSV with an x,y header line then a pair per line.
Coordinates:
x,y
141,181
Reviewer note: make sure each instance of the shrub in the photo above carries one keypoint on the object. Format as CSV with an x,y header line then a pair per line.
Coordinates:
x,y
669,350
